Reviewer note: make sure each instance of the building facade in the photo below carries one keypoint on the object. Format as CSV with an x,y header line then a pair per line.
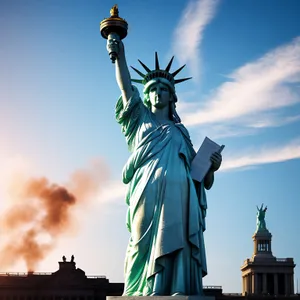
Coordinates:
x,y
263,273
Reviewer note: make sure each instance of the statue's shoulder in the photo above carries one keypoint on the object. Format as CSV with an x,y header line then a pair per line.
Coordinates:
x,y
183,129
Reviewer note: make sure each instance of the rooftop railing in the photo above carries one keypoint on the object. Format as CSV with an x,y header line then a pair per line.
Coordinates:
x,y
215,287
24,274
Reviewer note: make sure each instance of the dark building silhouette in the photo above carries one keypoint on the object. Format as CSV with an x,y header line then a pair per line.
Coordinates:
x,y
68,283
71,283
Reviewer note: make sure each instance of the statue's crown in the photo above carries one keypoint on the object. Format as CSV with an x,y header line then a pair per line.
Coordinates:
x,y
158,73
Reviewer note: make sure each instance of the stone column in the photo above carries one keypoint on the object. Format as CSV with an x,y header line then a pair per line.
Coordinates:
x,y
250,283
292,284
242,285
253,283
255,247
256,283
276,284
264,287
286,284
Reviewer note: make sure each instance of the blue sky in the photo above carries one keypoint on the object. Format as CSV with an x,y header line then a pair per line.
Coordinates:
x,y
57,100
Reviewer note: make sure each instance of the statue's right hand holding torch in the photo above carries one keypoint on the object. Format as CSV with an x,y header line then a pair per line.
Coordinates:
x,y
114,29
115,46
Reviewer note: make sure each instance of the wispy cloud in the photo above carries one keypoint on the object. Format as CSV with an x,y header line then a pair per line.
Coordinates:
x,y
247,126
264,85
265,155
113,191
273,121
188,34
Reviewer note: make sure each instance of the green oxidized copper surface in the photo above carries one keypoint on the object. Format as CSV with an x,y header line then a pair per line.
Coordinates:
x,y
260,218
166,208
166,215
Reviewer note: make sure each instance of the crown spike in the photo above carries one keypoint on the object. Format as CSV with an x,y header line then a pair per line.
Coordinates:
x,y
158,73
177,71
156,62
137,80
144,66
181,80
169,65
140,73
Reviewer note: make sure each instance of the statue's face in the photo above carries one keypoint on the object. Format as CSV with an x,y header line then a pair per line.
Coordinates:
x,y
159,95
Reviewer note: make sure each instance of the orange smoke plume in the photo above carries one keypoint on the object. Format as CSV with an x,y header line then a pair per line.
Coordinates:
x,y
43,213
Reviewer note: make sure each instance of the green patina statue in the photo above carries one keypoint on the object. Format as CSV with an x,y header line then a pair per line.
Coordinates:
x,y
166,208
260,218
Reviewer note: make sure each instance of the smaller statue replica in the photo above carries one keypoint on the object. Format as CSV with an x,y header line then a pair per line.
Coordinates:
x,y
64,259
260,218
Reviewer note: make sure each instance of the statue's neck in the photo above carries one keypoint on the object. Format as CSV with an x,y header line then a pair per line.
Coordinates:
x,y
161,114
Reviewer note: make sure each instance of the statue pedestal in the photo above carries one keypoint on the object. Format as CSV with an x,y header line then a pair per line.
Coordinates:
x,y
161,298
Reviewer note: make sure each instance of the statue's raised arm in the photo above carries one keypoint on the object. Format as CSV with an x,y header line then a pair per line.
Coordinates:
x,y
122,73
114,29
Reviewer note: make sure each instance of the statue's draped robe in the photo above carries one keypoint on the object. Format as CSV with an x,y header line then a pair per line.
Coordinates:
x,y
166,213
260,220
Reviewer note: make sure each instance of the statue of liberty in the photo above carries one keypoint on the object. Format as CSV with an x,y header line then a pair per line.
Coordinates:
x,y
166,208
260,218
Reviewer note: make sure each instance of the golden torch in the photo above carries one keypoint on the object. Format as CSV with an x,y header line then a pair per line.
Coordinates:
x,y
113,25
